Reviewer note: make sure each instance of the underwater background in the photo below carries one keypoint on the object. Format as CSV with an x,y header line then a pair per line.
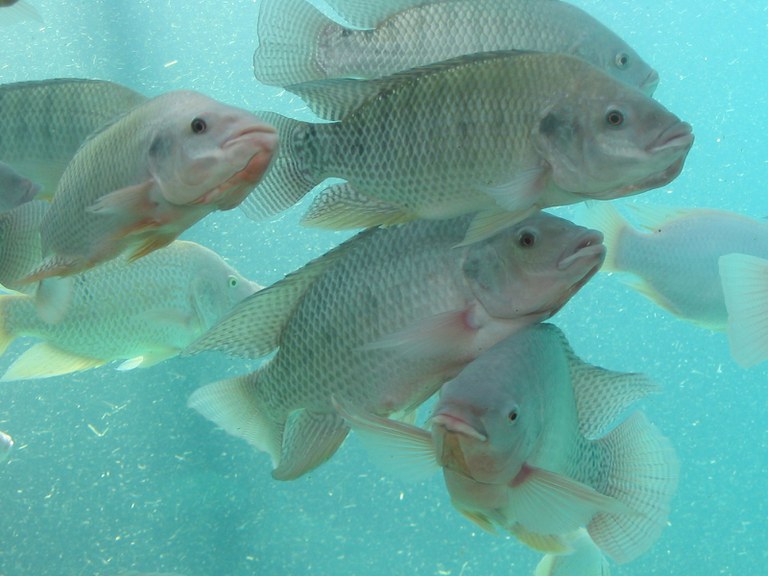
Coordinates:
x,y
113,474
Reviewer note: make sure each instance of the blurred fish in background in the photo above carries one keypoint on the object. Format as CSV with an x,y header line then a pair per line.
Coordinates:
x,y
6,445
20,251
15,189
14,11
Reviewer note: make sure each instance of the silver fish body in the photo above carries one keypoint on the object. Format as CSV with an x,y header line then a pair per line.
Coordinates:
x,y
20,251
381,322
6,446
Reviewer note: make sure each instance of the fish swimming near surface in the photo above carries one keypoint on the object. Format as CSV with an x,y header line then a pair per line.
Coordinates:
x,y
381,322
138,183
45,122
20,251
500,133
534,441
141,312
15,189
745,289
6,445
297,43
676,257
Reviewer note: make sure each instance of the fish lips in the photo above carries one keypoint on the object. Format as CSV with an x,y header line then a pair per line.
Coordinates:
x,y
448,432
676,139
590,250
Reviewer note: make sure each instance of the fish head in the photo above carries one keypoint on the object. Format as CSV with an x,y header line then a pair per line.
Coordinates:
x,y
205,152
611,144
532,268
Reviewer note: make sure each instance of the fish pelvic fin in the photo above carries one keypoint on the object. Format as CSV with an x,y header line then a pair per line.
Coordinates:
x,y
340,207
585,559
233,405
286,181
310,438
550,543
643,472
745,287
288,32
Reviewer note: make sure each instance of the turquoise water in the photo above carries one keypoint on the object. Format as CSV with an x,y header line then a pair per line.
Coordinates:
x,y
113,474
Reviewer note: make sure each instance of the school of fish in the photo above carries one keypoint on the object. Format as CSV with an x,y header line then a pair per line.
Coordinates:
x,y
452,124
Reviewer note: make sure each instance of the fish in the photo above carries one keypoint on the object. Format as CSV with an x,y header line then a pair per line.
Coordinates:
x,y
503,133
17,11
744,279
6,445
382,321
138,183
675,259
15,189
45,122
585,559
298,43
534,441
140,312
20,250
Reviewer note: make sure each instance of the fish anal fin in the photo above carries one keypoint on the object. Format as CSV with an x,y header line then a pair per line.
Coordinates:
x,y
44,360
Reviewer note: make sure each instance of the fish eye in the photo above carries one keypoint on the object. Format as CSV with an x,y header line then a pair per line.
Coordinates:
x,y
198,126
233,281
527,239
512,416
614,118
622,60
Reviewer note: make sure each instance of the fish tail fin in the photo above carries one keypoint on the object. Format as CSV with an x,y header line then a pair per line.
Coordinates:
x,y
584,559
605,217
234,405
745,287
642,474
288,32
285,182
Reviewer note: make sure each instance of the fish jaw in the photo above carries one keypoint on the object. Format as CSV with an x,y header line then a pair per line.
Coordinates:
x,y
590,250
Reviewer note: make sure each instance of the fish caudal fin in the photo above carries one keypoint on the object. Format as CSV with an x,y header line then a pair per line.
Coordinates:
x,y
643,475
232,404
605,217
585,559
309,439
288,32
340,207
45,361
745,287
285,183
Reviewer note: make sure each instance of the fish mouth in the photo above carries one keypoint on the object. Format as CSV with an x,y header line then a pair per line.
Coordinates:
x,y
649,85
589,246
453,424
262,135
677,136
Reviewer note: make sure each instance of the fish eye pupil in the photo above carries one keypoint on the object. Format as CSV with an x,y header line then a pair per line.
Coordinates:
x,y
198,126
622,60
512,416
527,239
232,281
614,118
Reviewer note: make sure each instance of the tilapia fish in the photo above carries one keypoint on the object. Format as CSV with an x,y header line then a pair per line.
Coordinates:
x,y
15,189
381,322
536,442
147,177
503,133
297,43
20,251
45,122
140,312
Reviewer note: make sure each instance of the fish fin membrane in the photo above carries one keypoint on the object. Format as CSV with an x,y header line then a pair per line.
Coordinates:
x,y
284,183
550,543
401,449
233,405
288,33
20,12
605,217
643,475
745,287
487,223
367,14
147,359
341,207
602,396
253,327
131,200
480,519
309,439
549,503
44,361
585,559
7,334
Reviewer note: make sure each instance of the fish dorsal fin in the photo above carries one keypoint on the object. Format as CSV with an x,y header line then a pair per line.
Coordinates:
x,y
602,396
253,328
368,14
652,217
335,98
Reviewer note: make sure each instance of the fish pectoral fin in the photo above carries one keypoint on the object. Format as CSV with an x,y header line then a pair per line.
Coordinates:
x,y
549,503
745,287
480,519
341,207
399,448
150,244
131,200
548,543
309,439
43,361
520,193
148,359
487,223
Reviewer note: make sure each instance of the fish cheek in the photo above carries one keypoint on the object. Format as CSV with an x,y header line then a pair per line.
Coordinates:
x,y
559,139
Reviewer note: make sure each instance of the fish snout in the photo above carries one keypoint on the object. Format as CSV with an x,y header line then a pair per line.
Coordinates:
x,y
588,246
678,136
651,82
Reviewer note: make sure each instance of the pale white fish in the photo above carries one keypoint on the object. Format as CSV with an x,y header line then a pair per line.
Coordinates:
x,y
675,257
6,446
381,322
